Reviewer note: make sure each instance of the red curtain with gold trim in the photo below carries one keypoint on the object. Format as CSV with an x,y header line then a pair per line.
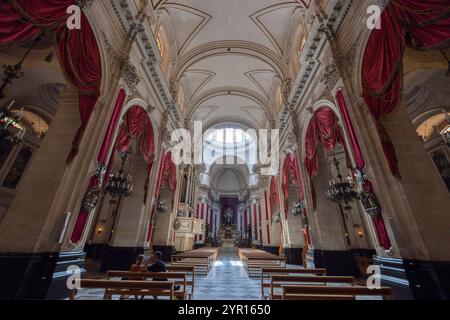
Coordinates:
x,y
24,20
414,23
137,126
380,227
323,128
274,195
291,169
169,173
80,223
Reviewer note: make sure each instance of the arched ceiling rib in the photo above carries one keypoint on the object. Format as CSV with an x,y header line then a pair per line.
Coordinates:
x,y
230,44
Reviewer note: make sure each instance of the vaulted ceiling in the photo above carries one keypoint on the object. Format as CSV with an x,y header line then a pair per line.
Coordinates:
x,y
230,56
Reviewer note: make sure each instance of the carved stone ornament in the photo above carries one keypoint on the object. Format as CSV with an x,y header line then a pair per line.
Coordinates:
x,y
370,203
150,108
330,77
91,199
84,4
130,75
177,225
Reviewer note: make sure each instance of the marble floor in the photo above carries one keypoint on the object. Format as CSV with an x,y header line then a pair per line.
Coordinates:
x,y
227,280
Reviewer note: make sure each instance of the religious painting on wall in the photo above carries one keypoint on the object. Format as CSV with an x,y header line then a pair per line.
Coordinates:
x,y
17,170
443,166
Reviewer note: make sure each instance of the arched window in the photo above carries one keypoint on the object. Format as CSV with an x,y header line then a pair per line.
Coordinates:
x,y
229,142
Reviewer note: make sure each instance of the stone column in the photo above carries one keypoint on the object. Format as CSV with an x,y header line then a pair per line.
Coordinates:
x,y
294,230
125,243
31,229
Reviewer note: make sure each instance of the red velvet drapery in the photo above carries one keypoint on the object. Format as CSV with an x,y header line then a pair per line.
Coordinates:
x,y
23,20
274,195
383,238
378,221
353,140
291,169
109,135
168,173
80,57
80,223
137,126
323,128
413,23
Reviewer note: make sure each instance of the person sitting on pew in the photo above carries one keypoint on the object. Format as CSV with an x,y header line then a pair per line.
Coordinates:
x,y
157,265
138,266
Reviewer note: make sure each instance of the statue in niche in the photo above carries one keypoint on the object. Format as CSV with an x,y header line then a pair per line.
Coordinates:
x,y
228,217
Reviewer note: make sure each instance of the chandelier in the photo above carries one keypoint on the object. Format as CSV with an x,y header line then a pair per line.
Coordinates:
x,y
299,208
10,127
160,206
13,72
120,184
342,191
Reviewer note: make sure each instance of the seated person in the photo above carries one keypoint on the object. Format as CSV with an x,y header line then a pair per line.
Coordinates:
x,y
138,266
157,265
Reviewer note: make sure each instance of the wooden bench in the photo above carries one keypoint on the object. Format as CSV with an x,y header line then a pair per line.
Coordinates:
x,y
199,267
254,269
208,255
190,272
121,287
254,259
300,292
267,272
178,278
277,281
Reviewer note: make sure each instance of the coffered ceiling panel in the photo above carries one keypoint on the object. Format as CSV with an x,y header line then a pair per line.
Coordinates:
x,y
229,107
187,22
233,70
229,55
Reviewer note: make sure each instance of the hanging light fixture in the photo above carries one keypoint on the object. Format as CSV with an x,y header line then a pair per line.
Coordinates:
x,y
13,72
120,184
342,191
10,127
299,208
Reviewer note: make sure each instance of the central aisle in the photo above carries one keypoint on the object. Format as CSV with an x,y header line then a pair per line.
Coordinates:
x,y
227,280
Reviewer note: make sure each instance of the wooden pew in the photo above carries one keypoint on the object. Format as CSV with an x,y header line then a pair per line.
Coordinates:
x,y
267,272
128,287
198,266
254,269
208,255
178,278
255,259
300,292
190,272
277,281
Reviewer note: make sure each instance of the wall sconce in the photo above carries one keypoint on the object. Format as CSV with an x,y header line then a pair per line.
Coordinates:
x,y
360,233
99,229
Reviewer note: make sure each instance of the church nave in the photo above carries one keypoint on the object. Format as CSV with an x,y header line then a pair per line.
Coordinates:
x,y
143,142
